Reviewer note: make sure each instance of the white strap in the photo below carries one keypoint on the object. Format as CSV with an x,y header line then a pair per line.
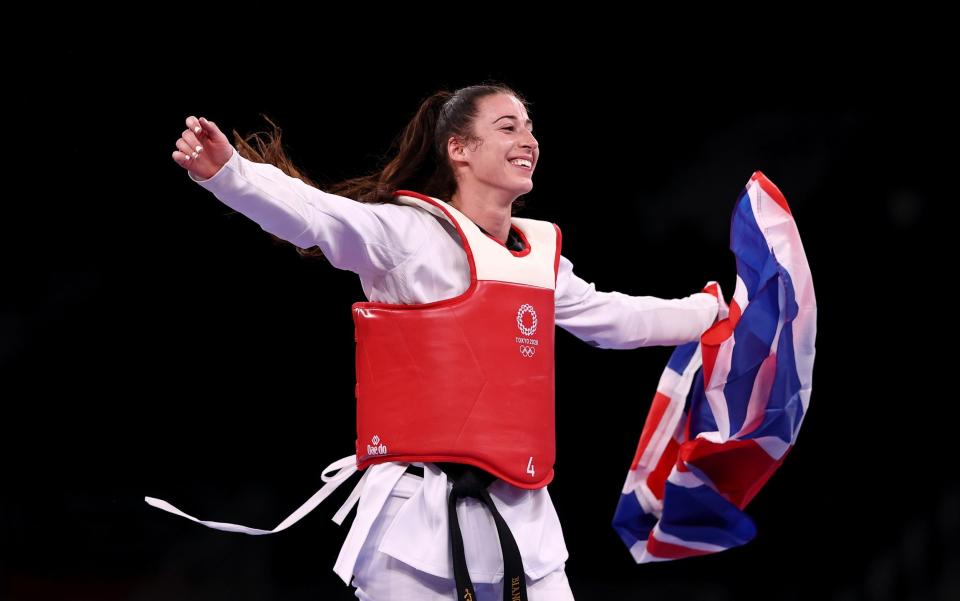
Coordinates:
x,y
355,495
352,499
347,466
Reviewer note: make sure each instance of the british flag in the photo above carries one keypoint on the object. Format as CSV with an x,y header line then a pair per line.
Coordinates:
x,y
728,407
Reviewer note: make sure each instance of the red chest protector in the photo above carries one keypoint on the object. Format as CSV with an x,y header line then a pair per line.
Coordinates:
x,y
468,379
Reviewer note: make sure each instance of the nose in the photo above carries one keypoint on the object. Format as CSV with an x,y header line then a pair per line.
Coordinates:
x,y
529,141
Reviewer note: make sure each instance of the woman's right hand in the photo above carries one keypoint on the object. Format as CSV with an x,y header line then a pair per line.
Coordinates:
x,y
202,148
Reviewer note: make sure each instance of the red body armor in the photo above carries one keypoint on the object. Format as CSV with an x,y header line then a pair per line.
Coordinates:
x,y
468,379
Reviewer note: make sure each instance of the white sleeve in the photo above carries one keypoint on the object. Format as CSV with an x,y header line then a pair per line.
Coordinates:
x,y
364,238
614,320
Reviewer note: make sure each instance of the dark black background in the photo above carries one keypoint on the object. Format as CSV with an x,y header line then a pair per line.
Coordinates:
x,y
155,343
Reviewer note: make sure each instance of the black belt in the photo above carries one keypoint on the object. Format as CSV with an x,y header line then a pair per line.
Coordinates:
x,y
469,481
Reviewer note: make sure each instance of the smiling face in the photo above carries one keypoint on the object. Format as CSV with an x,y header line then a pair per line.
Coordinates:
x,y
506,153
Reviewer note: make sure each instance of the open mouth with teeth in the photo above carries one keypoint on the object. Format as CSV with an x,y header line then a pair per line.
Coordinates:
x,y
522,164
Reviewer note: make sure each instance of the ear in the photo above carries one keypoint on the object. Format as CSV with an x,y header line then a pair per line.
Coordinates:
x,y
456,149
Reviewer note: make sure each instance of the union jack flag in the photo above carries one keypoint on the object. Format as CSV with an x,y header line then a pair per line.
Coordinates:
x,y
728,407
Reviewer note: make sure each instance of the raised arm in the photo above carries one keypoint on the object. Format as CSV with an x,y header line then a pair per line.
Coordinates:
x,y
615,320
367,239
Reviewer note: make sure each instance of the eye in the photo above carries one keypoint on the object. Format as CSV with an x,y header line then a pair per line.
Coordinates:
x,y
510,127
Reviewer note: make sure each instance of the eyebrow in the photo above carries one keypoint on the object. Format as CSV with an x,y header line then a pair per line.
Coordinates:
x,y
529,122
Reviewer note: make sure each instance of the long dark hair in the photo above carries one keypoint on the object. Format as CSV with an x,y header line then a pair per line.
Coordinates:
x,y
420,162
